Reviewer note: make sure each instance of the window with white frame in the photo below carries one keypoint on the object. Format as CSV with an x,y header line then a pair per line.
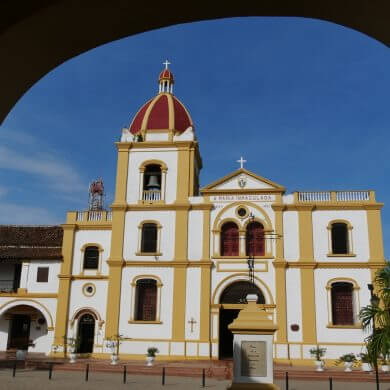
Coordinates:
x,y
146,299
149,239
340,238
343,303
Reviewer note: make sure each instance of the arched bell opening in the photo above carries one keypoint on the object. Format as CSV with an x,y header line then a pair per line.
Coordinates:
x,y
152,183
86,333
233,296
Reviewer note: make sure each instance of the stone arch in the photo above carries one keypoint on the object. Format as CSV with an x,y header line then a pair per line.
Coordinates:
x,y
161,163
265,220
87,310
239,278
32,303
49,50
354,283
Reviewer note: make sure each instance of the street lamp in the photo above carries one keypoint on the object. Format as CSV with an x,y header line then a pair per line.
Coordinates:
x,y
251,258
374,299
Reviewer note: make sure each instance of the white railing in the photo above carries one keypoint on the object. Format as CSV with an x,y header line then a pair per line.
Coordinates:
x,y
323,196
151,196
352,196
95,215
333,196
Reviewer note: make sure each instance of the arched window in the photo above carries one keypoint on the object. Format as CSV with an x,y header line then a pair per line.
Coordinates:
x,y
229,240
91,257
149,238
146,300
342,303
255,239
339,232
237,292
152,183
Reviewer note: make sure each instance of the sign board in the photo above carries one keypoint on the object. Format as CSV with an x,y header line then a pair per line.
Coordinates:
x,y
235,198
253,358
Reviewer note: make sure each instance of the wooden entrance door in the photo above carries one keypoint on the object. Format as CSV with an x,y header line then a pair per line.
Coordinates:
x,y
86,334
20,332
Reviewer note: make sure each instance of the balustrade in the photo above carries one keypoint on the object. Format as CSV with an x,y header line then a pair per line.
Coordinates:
x,y
333,196
151,196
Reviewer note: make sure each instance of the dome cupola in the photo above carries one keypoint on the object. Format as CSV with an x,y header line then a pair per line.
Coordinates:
x,y
164,111
166,79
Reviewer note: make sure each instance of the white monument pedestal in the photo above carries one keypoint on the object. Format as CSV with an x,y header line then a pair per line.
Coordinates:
x,y
253,332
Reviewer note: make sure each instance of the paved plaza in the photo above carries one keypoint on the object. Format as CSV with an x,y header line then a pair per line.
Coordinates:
x,y
38,380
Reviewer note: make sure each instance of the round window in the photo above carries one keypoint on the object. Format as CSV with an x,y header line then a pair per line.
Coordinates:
x,y
89,289
242,212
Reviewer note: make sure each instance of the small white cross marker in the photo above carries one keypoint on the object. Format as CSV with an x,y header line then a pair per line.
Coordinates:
x,y
241,161
192,323
166,63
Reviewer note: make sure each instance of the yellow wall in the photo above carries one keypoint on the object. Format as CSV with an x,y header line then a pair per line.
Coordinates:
x,y
306,250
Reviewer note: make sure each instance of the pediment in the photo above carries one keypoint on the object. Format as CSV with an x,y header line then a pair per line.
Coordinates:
x,y
242,180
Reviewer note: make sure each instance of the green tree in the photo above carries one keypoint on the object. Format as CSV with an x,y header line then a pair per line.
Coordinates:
x,y
375,318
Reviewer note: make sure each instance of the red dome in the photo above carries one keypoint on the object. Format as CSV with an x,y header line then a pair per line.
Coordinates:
x,y
166,74
163,112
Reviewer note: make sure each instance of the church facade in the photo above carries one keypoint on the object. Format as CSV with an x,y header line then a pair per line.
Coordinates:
x,y
171,264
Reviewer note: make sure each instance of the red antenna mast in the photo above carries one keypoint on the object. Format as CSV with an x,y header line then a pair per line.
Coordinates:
x,y
96,195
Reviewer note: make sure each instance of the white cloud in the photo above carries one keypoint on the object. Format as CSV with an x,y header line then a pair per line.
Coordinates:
x,y
24,215
59,175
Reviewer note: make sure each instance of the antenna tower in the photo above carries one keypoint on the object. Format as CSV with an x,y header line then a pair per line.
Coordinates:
x,y
96,195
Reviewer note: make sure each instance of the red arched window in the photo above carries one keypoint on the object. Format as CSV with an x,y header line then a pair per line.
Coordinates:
x,y
229,240
255,239
342,303
146,300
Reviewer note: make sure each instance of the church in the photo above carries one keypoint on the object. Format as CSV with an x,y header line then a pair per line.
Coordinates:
x,y
170,264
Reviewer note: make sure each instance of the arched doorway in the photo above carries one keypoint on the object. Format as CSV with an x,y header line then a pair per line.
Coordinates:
x,y
86,333
232,299
26,326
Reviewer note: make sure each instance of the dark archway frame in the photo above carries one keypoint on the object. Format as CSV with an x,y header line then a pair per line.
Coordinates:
x,y
37,36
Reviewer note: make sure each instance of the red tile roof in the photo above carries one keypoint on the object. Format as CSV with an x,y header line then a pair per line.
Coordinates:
x,y
30,242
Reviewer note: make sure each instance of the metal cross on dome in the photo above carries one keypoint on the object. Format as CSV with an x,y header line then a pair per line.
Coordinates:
x,y
166,63
241,161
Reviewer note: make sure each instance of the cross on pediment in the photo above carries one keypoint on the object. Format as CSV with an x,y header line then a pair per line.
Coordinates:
x,y
241,161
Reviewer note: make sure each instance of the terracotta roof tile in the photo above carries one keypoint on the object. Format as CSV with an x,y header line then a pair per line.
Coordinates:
x,y
30,242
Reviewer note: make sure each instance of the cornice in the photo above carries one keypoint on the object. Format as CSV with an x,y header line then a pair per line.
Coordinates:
x,y
335,264
168,264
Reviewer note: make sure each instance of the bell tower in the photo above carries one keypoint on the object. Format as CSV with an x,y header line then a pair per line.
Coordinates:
x,y
157,173
164,160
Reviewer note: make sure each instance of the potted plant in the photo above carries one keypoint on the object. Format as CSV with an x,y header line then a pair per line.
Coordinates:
x,y
21,354
385,363
376,320
151,355
365,358
318,353
348,359
113,345
72,345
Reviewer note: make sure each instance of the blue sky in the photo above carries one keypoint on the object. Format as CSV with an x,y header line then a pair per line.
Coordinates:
x,y
306,102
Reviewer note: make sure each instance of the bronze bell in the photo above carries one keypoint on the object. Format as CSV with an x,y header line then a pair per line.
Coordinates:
x,y
153,183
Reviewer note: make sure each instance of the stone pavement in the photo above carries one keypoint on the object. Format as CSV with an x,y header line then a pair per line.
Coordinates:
x,y
64,380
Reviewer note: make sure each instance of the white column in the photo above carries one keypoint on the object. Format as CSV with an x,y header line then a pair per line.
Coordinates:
x,y
24,275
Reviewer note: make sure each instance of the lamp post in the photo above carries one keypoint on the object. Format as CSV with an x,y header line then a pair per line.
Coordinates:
x,y
374,300
251,259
